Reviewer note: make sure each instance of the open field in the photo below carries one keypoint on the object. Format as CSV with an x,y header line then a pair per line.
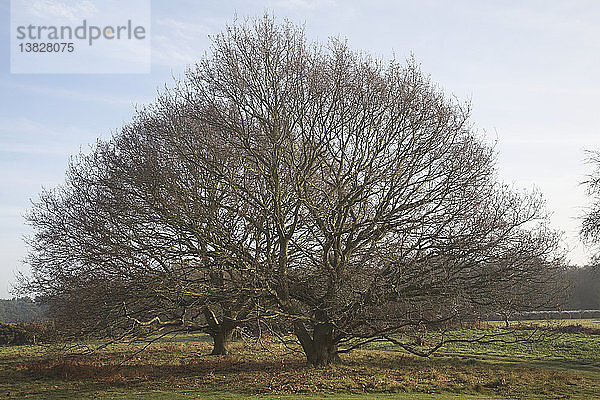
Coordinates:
x,y
567,367
588,323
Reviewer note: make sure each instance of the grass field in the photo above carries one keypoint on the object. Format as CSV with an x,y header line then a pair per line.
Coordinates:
x,y
568,367
588,323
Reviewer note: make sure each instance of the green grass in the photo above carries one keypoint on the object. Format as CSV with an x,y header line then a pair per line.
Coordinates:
x,y
566,367
589,323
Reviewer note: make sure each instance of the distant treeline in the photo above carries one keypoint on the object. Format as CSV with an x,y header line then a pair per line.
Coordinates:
x,y
584,293
21,310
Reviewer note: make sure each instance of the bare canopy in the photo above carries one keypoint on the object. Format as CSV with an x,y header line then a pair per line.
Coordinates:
x,y
345,198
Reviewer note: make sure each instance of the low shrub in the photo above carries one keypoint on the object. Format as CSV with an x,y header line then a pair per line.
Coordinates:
x,y
26,333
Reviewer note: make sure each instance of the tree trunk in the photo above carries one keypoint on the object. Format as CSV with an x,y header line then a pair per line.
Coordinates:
x,y
320,349
221,338
221,332
325,350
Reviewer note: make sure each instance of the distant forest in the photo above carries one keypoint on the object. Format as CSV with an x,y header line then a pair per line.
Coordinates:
x,y
21,310
583,295
585,289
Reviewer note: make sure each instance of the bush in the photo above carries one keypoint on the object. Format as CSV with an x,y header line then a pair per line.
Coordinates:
x,y
26,333
14,334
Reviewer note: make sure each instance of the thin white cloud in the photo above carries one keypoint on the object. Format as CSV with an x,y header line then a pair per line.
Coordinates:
x,y
164,53
34,149
302,4
178,43
9,210
79,96
184,29
552,20
26,136
73,11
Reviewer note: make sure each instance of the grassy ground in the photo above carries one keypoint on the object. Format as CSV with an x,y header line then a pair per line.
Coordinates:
x,y
567,367
588,323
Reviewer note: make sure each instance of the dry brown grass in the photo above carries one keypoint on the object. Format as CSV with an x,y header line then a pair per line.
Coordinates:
x,y
251,369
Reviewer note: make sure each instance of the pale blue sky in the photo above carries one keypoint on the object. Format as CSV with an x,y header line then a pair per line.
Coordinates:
x,y
530,68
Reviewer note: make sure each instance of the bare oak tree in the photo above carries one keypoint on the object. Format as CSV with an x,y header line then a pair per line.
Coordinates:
x,y
345,197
